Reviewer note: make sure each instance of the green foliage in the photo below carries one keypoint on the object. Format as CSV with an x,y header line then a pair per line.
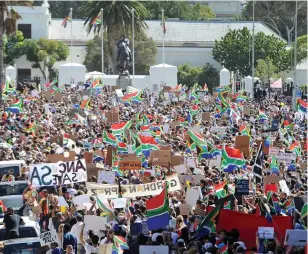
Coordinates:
x,y
279,16
266,70
301,48
43,53
189,75
233,49
179,9
145,54
13,48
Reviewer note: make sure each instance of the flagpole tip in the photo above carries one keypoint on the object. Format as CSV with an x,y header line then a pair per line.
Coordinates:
x,y
71,9
102,9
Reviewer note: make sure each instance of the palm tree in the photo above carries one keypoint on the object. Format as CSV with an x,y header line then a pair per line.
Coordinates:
x,y
117,19
8,17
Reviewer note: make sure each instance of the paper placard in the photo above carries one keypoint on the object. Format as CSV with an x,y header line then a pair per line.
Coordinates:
x,y
266,232
190,162
150,249
192,195
215,162
295,237
130,191
242,187
119,202
62,201
134,164
93,222
286,157
206,116
105,248
218,130
106,176
284,187
48,237
180,169
81,199
184,209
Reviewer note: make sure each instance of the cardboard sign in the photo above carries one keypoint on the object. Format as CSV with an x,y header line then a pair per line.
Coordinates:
x,y
184,209
106,176
46,95
266,232
246,110
131,191
53,158
242,187
177,160
105,248
110,149
166,89
130,163
274,150
160,157
206,116
200,212
57,97
58,173
295,237
112,117
88,156
48,237
243,144
192,195
270,180
93,222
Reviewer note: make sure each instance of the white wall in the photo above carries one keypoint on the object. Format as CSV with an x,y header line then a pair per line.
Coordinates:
x,y
181,55
22,63
38,17
75,51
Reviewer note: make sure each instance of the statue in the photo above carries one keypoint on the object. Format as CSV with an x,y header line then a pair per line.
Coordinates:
x,y
124,57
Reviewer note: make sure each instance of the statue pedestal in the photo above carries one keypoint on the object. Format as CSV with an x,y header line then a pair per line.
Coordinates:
x,y
124,81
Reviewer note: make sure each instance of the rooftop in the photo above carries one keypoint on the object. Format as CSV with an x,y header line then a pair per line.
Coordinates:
x,y
177,31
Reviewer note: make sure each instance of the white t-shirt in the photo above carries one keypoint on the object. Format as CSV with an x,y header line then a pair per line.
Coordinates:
x,y
90,249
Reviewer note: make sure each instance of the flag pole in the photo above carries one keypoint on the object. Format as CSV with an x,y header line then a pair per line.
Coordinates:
x,y
253,46
163,26
294,62
102,34
133,35
71,16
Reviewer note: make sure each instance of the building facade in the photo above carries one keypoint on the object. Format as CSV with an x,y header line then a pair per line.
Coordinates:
x,y
185,41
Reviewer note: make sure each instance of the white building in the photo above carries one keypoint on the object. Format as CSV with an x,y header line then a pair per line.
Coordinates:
x,y
185,41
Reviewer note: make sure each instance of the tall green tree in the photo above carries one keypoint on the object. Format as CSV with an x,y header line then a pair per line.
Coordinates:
x,y
117,19
13,48
266,69
301,48
183,10
233,50
280,16
43,53
145,54
189,75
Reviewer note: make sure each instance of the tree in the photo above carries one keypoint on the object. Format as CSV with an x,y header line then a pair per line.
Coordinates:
x,y
43,53
199,12
117,20
280,16
179,9
233,49
266,70
13,48
145,54
301,49
189,75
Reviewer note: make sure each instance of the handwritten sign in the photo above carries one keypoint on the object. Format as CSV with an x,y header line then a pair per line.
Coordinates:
x,y
266,232
106,176
243,144
130,165
48,237
242,187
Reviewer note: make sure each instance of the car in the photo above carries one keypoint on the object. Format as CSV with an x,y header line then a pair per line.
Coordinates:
x,y
30,245
11,193
29,229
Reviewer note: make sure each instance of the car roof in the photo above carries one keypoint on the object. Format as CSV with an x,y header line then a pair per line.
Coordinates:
x,y
13,183
26,220
21,240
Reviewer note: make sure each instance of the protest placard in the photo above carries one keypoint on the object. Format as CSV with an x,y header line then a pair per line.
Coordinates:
x,y
93,222
180,169
242,187
48,237
246,110
88,156
112,117
81,199
192,195
130,163
110,149
270,180
206,116
284,187
153,188
243,144
106,176
160,157
105,248
119,202
273,150
58,173
57,97
295,237
288,158
53,158
266,232
184,209
215,162
218,130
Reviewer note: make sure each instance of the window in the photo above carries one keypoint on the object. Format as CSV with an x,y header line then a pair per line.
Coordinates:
x,y
23,74
25,29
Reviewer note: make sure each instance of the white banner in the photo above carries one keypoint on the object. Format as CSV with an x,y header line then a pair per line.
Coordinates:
x,y
48,237
218,130
285,157
140,190
58,173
